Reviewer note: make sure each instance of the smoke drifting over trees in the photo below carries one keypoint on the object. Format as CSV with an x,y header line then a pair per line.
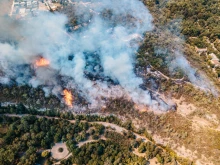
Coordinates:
x,y
105,47
114,43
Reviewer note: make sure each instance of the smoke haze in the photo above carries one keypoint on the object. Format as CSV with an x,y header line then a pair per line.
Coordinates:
x,y
104,47
195,78
97,60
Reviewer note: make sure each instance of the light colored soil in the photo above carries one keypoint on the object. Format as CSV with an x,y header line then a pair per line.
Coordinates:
x,y
182,151
184,108
121,130
203,161
59,155
154,161
151,161
5,7
160,140
113,126
200,122
90,140
213,119
138,153
208,121
42,6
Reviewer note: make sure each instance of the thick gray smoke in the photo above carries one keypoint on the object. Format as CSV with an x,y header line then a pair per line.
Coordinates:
x,y
177,60
104,46
195,78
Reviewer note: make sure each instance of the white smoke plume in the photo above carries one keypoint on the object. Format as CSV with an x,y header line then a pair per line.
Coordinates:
x,y
176,58
197,79
105,46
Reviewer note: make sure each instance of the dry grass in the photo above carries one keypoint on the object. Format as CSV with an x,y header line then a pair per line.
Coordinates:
x,y
192,131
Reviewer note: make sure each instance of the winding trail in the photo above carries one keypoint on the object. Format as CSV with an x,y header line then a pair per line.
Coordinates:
x,y
115,127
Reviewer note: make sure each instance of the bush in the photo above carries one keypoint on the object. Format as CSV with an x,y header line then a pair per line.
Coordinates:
x,y
45,154
95,137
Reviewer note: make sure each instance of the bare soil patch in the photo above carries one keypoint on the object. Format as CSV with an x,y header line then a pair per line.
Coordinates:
x,y
5,7
184,108
56,154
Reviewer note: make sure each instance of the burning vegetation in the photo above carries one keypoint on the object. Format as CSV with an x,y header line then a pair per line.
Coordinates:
x,y
42,62
68,97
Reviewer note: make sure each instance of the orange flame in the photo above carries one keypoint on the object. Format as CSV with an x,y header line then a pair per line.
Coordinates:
x,y
42,62
68,97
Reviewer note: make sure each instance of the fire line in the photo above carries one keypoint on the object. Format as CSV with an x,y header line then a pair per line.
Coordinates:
x,y
42,62
68,97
